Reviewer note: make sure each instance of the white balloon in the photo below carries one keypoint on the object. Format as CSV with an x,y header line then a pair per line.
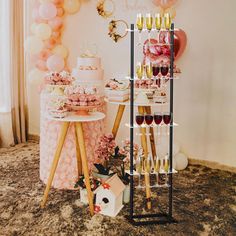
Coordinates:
x,y
33,27
181,161
43,31
33,45
176,148
36,76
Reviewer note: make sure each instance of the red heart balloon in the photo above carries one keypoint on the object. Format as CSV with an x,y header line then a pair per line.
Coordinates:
x,y
180,42
153,52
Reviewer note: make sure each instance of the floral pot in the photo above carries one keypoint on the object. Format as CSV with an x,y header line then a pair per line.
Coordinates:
x,y
126,194
103,178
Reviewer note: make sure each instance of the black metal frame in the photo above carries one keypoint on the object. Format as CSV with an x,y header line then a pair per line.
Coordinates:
x,y
156,218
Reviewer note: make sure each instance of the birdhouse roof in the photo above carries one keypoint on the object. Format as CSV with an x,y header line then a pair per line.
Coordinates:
x,y
114,184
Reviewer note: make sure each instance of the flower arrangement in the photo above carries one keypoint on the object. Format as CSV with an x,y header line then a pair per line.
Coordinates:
x,y
112,159
55,78
94,183
82,96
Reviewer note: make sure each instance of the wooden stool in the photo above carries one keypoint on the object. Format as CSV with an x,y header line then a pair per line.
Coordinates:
x,y
82,164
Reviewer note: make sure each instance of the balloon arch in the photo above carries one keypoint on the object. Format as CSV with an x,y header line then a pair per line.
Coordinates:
x,y
45,47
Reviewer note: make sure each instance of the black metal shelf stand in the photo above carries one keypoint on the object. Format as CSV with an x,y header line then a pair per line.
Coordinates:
x,y
152,218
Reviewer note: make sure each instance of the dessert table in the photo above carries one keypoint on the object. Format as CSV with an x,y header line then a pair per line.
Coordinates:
x,y
82,165
67,171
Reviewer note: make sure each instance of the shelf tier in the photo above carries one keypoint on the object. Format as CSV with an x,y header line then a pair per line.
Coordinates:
x,y
135,126
127,103
152,30
135,173
137,79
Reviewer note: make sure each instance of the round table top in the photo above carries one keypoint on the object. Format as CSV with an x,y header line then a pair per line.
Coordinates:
x,y
127,103
72,117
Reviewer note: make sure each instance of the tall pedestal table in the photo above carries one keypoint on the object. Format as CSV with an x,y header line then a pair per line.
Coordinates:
x,y
77,121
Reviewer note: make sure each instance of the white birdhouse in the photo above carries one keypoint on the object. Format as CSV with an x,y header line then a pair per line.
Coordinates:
x,y
109,197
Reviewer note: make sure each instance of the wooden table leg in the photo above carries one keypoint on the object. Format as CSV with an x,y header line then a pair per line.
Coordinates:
x,y
64,129
119,115
79,130
145,149
152,138
78,155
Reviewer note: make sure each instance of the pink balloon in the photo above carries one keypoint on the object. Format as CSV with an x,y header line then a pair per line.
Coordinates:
x,y
45,54
41,65
58,2
47,10
55,63
164,3
50,43
56,23
56,35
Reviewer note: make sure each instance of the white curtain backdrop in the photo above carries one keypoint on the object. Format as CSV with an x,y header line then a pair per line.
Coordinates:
x,y
6,134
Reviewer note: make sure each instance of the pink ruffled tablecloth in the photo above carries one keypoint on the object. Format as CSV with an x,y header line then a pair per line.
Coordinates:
x,y
66,174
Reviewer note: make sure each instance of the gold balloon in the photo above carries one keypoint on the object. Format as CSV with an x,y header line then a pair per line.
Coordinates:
x,y
60,50
71,6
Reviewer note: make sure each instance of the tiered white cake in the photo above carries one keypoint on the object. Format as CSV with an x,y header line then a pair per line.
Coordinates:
x,y
88,70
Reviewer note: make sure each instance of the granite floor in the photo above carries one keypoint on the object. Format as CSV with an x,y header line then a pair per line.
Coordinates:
x,y
204,203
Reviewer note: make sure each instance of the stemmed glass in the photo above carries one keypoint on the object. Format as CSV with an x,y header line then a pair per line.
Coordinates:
x,y
158,119
167,120
139,24
167,19
148,120
149,71
139,168
164,71
139,119
157,166
149,23
155,71
139,70
158,23
166,164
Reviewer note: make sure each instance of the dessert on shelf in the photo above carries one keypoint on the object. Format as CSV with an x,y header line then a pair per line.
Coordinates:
x,y
57,107
117,90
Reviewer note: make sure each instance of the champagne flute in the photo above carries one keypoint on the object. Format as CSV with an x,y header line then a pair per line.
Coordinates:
x,y
149,72
139,168
149,23
139,24
167,19
157,166
166,165
158,23
148,164
139,70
